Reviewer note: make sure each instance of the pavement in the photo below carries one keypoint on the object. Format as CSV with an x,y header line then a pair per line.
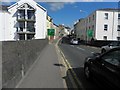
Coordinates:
x,y
45,72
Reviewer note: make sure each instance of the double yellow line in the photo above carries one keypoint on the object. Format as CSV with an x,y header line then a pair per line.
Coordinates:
x,y
74,79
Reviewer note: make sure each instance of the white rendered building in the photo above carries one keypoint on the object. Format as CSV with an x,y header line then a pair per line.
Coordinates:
x,y
105,24
23,20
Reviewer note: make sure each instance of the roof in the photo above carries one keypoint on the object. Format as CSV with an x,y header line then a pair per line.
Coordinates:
x,y
67,27
110,9
55,24
4,8
27,1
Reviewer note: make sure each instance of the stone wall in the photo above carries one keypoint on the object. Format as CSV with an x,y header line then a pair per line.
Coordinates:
x,y
17,57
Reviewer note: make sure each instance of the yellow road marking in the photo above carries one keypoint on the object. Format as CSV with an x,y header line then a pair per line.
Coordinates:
x,y
68,66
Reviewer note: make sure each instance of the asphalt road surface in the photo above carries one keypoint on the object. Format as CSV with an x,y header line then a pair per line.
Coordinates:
x,y
76,54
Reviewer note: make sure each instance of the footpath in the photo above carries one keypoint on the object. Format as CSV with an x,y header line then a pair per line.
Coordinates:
x,y
45,72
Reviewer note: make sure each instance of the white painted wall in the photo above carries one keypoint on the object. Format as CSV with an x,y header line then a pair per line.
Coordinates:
x,y
4,25
13,23
112,32
41,27
66,31
98,23
8,21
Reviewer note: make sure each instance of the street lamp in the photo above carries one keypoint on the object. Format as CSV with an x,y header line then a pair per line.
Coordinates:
x,y
85,23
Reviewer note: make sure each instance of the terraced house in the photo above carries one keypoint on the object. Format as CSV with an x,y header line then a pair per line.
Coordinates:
x,y
102,24
23,20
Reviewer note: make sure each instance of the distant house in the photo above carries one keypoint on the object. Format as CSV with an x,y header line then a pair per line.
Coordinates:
x,y
56,28
67,30
80,29
103,24
23,20
64,30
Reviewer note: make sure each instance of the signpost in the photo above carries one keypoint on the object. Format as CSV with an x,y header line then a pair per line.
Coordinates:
x,y
51,32
90,33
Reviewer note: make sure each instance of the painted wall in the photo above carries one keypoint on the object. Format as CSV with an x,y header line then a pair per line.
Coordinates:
x,y
41,30
13,23
98,23
4,26
112,32
9,23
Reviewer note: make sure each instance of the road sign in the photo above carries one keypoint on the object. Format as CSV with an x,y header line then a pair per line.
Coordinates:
x,y
51,32
90,33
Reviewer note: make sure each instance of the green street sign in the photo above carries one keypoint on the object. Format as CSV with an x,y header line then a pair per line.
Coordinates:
x,y
90,33
51,32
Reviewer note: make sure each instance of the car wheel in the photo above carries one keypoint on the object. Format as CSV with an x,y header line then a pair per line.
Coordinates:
x,y
87,72
103,51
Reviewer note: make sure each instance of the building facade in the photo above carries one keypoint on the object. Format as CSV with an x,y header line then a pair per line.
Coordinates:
x,y
103,24
23,20
56,28
64,30
80,29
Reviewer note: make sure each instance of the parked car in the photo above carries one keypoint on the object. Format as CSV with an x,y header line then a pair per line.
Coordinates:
x,y
110,46
74,41
104,68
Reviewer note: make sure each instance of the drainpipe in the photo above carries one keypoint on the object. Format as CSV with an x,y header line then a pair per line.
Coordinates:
x,y
113,25
25,24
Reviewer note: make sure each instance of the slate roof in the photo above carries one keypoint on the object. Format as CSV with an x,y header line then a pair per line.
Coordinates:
x,y
109,9
4,8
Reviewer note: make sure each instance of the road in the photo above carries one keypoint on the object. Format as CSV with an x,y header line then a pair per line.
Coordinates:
x,y
76,54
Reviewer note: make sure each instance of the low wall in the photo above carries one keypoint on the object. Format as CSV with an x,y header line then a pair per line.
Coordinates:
x,y
17,57
99,43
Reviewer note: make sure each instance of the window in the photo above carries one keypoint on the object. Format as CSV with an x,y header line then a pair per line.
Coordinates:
x,y
89,27
92,27
93,17
105,27
118,16
105,37
112,58
30,36
22,36
106,15
89,19
118,29
118,38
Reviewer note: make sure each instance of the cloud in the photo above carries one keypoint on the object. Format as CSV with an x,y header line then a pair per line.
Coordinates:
x,y
42,0
56,6
71,1
7,2
59,4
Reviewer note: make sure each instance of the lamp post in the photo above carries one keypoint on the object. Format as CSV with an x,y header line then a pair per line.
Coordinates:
x,y
85,24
